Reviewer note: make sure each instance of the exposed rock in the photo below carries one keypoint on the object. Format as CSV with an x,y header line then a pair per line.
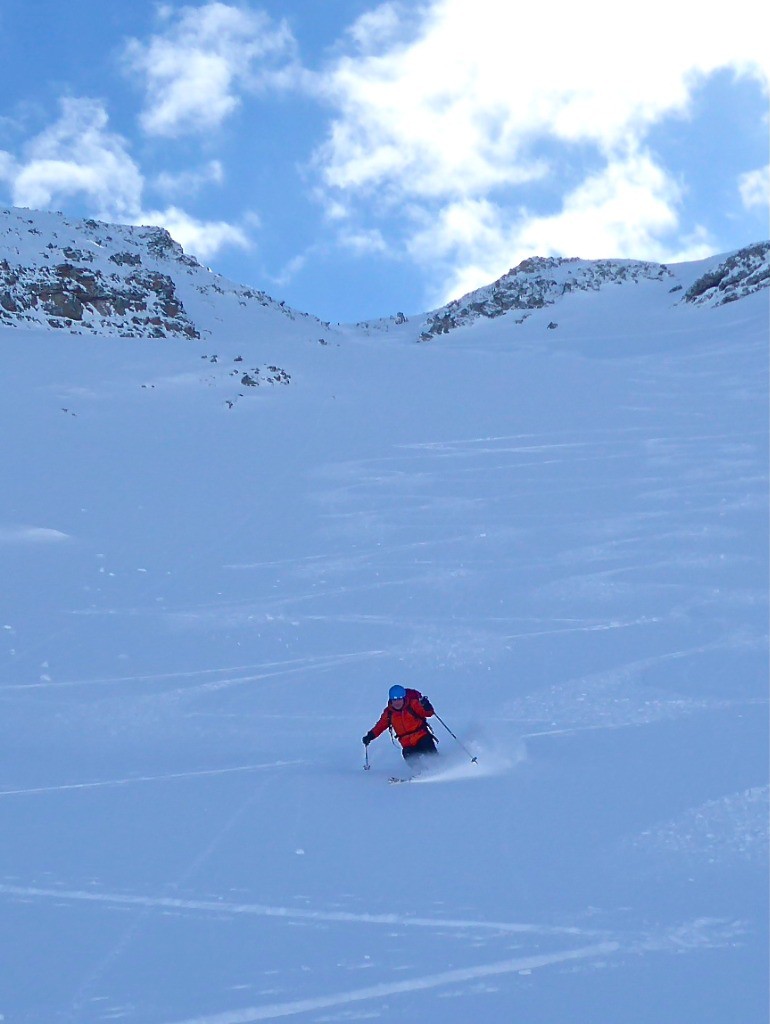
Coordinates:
x,y
279,376
534,284
122,258
741,274
77,255
133,303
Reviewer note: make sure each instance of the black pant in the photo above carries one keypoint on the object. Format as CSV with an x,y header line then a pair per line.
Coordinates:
x,y
427,745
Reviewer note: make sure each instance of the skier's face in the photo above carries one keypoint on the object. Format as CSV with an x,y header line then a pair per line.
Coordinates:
x,y
397,703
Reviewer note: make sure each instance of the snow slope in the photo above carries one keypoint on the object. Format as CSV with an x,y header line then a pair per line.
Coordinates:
x,y
560,535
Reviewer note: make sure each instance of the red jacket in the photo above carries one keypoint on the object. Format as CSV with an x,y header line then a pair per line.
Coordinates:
x,y
408,724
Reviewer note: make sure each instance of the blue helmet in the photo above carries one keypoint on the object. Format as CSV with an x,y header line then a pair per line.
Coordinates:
x,y
396,693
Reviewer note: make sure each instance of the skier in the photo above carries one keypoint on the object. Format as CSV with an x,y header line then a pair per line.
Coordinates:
x,y
405,716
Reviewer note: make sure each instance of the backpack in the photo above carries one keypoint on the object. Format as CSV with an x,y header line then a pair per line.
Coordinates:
x,y
412,696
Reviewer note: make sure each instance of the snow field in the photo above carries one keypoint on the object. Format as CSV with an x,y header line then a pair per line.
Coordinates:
x,y
560,540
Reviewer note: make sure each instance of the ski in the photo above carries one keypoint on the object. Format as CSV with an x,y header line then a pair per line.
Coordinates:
x,y
394,779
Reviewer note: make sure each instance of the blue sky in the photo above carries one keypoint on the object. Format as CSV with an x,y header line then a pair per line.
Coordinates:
x,y
356,159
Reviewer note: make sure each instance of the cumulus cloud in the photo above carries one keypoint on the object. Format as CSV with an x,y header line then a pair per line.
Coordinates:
x,y
293,267
754,187
78,156
623,209
628,206
7,166
190,181
446,124
193,71
364,241
204,238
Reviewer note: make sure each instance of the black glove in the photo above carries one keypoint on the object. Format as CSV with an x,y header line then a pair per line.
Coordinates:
x,y
426,704
368,738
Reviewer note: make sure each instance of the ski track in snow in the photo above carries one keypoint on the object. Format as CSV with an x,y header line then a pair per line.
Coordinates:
x,y
94,976
572,579
429,981
131,779
219,907
268,670
700,933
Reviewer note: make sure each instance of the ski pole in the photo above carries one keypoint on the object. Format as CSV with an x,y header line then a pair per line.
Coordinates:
x,y
470,755
367,766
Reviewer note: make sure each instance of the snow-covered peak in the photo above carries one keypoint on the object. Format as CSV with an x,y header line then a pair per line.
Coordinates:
x,y
86,276
543,281
535,283
112,279
738,275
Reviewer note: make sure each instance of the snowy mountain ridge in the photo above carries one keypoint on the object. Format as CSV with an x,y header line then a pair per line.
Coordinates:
x,y
542,281
87,276
536,283
738,275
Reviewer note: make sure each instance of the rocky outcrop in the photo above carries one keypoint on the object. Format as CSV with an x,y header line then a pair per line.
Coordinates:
x,y
140,303
741,274
534,284
91,277
112,279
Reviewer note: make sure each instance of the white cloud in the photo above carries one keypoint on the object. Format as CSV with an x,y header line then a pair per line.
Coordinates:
x,y
624,209
295,266
445,126
203,238
193,71
630,204
384,24
189,182
78,155
363,241
457,110
754,187
7,166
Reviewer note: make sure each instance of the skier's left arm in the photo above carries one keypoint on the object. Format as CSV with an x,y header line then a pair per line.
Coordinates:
x,y
426,707
378,728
